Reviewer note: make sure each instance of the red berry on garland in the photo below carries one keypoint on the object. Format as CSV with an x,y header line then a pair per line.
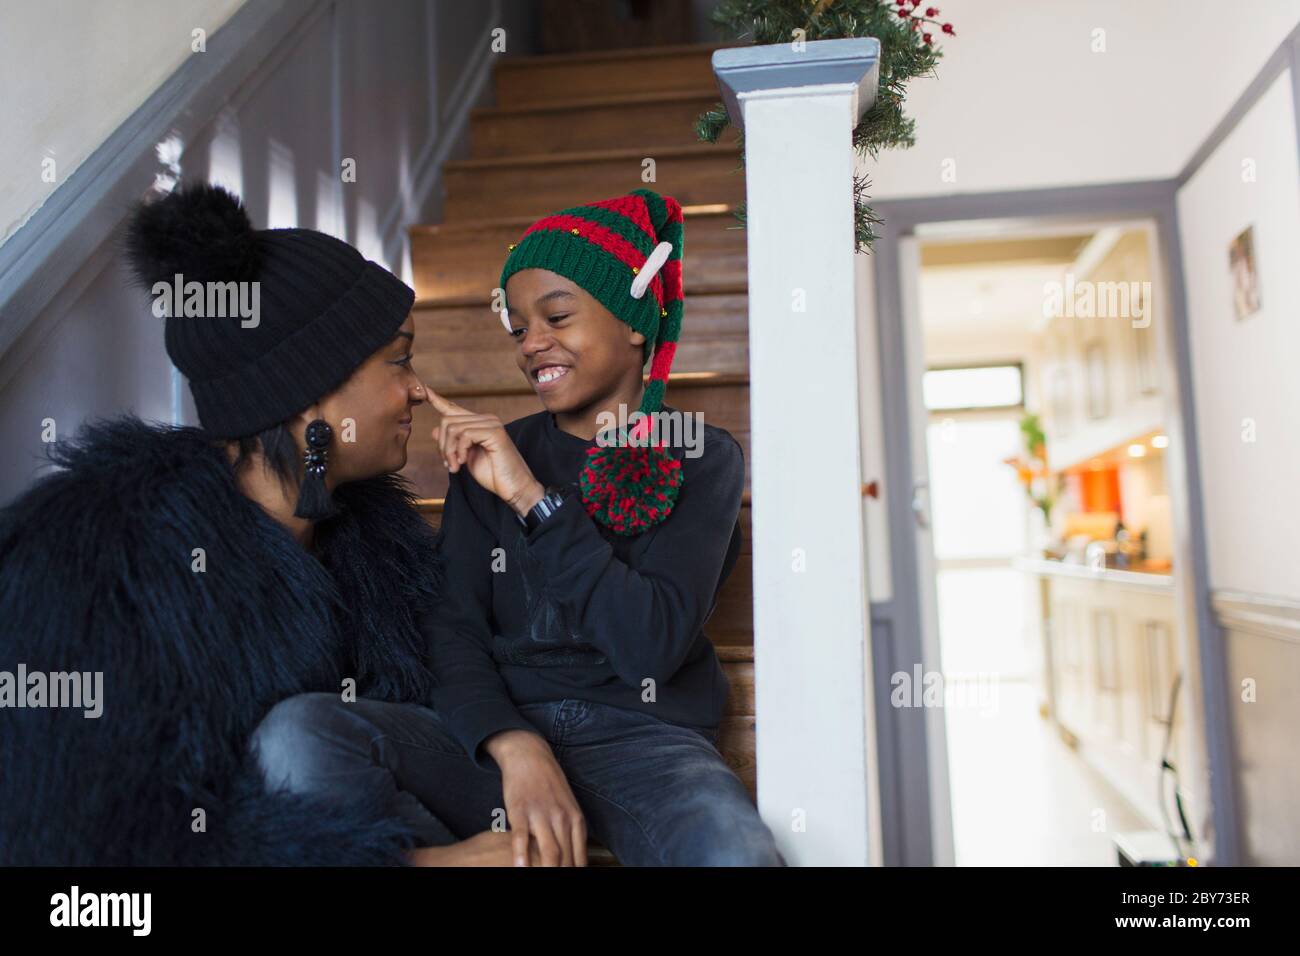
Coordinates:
x,y
927,38
947,28
931,11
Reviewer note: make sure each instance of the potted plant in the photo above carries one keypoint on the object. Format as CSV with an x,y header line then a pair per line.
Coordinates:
x,y
1041,487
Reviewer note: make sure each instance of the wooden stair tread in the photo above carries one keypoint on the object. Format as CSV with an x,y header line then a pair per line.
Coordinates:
x,y
464,346
485,301
436,505
722,400
535,160
656,121
676,380
596,102
730,627
566,76
619,55
523,222
597,855
734,653
459,263
538,184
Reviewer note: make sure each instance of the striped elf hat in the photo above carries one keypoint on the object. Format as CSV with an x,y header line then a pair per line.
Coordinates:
x,y
626,253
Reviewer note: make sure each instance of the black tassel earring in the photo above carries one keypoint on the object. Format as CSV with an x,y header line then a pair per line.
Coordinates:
x,y
314,500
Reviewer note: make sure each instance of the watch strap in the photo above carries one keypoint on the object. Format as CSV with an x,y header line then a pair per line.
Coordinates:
x,y
552,498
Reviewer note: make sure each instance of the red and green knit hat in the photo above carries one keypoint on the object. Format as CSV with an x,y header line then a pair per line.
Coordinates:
x,y
626,253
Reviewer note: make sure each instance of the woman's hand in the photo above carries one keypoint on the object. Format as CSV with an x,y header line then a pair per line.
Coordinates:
x,y
480,443
539,802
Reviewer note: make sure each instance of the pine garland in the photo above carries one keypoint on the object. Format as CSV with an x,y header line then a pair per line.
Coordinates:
x,y
907,51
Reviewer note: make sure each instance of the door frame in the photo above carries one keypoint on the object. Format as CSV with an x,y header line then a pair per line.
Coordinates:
x,y
910,804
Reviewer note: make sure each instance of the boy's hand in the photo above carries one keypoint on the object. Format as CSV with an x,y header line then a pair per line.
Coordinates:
x,y
480,443
539,802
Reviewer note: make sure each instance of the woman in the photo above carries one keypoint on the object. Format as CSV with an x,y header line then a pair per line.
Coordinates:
x,y
191,578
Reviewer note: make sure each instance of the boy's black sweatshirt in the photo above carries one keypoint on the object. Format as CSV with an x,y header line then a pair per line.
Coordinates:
x,y
575,611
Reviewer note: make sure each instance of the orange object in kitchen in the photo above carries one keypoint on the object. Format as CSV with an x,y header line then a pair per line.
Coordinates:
x,y
1099,488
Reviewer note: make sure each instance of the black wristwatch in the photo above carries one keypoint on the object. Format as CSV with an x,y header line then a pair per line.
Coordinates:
x,y
552,498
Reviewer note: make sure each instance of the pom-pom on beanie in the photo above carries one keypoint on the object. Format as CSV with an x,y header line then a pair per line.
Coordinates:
x,y
627,254
322,307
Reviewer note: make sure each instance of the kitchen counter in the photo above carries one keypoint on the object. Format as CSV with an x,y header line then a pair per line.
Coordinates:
x,y
1133,579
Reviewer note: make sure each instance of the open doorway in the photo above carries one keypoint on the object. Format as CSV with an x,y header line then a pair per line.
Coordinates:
x,y
1047,405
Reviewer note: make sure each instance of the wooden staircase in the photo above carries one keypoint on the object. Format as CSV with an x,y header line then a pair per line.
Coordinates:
x,y
571,129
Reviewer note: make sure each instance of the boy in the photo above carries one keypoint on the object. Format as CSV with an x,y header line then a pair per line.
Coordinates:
x,y
569,651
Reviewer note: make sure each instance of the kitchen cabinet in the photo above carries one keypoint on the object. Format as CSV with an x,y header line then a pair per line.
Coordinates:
x,y
1109,640
1099,370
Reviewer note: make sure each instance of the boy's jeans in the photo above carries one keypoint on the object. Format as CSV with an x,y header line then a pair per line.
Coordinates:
x,y
653,792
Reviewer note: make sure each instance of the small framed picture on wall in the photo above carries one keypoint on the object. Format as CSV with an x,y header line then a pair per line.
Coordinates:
x,y
1245,278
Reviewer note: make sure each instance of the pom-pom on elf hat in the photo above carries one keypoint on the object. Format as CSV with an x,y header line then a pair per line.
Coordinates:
x,y
627,254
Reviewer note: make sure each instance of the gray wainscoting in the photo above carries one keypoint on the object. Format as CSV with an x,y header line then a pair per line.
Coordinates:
x,y
1261,637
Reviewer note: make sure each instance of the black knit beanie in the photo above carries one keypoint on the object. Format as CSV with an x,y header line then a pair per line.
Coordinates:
x,y
323,308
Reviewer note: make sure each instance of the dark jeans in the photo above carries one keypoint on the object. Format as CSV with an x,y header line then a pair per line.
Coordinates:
x,y
653,792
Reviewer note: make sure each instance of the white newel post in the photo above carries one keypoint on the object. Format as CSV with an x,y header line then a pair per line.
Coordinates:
x,y
798,106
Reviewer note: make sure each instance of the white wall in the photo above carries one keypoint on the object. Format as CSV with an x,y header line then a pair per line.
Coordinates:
x,y
951,348
1246,371
1244,377
72,71
1020,100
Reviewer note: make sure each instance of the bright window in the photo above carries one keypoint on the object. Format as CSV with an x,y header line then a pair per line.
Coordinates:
x,y
992,386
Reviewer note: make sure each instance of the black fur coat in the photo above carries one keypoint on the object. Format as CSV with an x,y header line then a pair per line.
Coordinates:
x,y
98,573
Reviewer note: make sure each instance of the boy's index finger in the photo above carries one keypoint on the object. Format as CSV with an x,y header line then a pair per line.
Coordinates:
x,y
441,405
